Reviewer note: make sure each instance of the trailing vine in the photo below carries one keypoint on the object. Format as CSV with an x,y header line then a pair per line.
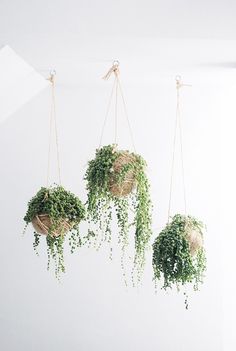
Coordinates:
x,y
62,212
101,175
173,260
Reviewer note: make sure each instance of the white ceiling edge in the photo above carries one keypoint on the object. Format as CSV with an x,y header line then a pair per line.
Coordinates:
x,y
19,82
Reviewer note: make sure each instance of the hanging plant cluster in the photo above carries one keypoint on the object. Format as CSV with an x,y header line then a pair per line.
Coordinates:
x,y
178,253
56,212
117,178
117,184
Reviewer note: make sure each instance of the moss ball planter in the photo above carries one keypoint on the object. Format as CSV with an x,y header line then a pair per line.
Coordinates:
x,y
55,213
178,253
127,182
117,183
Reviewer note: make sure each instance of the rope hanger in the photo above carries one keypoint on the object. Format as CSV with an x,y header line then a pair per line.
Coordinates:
x,y
53,125
115,89
178,125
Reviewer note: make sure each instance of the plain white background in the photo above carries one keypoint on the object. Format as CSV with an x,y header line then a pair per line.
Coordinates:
x,y
154,40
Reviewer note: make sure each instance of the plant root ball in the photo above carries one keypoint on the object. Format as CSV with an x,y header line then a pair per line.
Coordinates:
x,y
126,185
195,239
42,224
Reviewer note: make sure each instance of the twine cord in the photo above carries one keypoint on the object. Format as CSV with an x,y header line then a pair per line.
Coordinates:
x,y
178,126
49,145
116,111
182,161
172,166
53,118
126,115
107,112
115,89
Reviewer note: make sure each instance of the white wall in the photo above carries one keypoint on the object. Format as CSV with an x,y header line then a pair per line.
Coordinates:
x,y
91,309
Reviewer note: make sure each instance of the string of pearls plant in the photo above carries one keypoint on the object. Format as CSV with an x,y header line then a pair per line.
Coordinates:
x,y
117,179
55,212
178,253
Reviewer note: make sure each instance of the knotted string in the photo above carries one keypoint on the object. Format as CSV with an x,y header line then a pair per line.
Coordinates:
x,y
53,123
114,69
115,89
178,125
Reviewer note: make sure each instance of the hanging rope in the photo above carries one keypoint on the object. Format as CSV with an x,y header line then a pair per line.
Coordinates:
x,y
116,105
178,125
53,119
107,112
126,114
116,87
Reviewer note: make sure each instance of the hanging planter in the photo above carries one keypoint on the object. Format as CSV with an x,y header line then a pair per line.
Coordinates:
x,y
178,253
116,179
55,212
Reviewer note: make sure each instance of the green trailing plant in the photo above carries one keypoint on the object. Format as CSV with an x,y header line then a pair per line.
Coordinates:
x,y
178,253
117,180
56,213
